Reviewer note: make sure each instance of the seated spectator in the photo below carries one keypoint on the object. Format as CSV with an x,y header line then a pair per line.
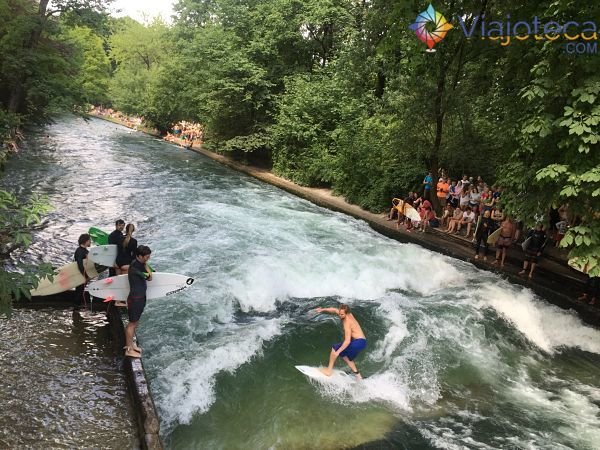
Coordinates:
x,y
484,229
456,217
468,218
427,216
535,243
447,215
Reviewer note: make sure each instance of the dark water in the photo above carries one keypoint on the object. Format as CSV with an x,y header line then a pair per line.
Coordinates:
x,y
60,384
457,357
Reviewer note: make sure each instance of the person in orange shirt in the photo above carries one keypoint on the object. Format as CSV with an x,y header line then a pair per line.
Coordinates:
x,y
442,190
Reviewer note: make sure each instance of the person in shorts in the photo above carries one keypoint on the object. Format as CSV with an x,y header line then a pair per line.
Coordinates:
x,y
139,274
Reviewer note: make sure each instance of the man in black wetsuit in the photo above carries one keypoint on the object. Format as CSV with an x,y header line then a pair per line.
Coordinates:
x,y
139,273
80,255
116,238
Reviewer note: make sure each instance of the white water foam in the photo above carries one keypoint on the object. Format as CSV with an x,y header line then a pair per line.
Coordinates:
x,y
187,386
545,325
349,273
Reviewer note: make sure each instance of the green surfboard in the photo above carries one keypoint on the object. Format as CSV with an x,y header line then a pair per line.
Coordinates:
x,y
98,236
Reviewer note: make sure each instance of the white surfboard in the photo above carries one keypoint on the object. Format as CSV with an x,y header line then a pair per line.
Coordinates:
x,y
412,214
104,255
162,285
316,374
67,277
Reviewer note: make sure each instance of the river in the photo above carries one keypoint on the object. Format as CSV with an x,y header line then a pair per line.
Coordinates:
x,y
457,357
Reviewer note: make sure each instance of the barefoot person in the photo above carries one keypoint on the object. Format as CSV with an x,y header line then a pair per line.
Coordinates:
x,y
139,273
354,340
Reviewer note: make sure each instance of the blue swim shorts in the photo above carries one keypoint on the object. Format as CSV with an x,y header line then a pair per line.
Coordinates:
x,y
352,351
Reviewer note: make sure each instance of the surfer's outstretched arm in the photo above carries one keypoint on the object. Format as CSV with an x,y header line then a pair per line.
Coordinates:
x,y
327,310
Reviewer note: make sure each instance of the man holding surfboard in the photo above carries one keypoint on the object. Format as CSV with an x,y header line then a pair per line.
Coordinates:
x,y
116,238
354,340
80,254
139,273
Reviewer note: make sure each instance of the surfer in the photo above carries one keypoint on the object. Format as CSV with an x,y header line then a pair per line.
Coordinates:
x,y
80,254
354,340
116,238
139,273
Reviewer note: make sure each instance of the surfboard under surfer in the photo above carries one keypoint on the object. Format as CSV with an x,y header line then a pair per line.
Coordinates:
x,y
354,340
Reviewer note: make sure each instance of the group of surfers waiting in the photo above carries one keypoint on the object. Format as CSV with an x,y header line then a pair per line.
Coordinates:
x,y
132,260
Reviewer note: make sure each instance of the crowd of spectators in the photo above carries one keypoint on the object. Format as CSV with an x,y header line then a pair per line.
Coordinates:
x,y
191,133
183,133
129,121
472,209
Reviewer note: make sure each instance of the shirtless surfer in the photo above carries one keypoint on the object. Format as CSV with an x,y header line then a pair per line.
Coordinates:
x,y
354,340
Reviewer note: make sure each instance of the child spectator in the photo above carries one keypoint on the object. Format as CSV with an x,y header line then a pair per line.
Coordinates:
x,y
447,215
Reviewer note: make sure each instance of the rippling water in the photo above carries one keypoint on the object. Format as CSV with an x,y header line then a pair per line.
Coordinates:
x,y
60,385
457,357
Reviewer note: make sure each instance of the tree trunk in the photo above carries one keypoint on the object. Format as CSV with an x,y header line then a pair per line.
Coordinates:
x,y
15,102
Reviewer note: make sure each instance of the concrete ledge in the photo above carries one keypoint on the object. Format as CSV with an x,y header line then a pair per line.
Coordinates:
x,y
146,416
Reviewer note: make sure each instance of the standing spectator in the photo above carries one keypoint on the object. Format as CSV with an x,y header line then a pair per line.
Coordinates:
x,y
561,230
465,182
485,228
452,198
427,185
505,240
534,249
592,290
442,190
497,215
463,201
474,197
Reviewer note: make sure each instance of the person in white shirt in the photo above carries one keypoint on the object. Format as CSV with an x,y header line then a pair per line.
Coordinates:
x,y
467,219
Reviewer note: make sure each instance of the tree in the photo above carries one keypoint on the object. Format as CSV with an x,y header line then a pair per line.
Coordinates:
x,y
16,218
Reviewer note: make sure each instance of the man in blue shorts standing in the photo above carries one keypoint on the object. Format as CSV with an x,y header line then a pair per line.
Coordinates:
x,y
354,340
139,274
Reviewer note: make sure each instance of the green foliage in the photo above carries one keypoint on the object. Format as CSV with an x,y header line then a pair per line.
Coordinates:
x,y
16,219
138,52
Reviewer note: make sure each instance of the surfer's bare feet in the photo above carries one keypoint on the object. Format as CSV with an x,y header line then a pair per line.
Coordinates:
x,y
129,351
326,371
